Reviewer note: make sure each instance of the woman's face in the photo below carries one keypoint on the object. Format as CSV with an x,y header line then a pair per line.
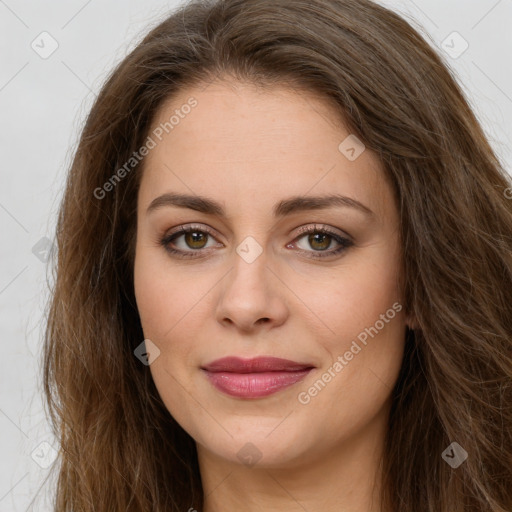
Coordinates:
x,y
274,267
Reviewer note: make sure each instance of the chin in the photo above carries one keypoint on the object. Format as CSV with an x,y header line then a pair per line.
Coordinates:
x,y
256,442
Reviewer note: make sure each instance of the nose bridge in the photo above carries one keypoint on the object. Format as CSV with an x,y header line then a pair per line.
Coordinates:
x,y
249,278
250,293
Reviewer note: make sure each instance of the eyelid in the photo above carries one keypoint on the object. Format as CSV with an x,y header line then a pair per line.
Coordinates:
x,y
184,228
308,228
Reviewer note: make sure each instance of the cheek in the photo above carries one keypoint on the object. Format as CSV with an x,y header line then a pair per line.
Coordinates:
x,y
354,297
147,293
170,302
155,293
166,313
160,293
363,323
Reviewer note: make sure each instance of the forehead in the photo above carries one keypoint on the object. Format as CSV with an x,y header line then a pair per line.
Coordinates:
x,y
278,114
252,143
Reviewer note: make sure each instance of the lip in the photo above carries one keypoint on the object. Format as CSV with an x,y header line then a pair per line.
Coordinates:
x,y
254,378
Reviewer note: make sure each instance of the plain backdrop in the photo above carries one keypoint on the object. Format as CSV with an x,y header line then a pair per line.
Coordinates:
x,y
43,103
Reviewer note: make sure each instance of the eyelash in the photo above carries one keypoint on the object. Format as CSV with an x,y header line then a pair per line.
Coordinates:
x,y
345,243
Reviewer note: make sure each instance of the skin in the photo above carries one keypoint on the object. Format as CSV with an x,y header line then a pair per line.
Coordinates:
x,y
249,148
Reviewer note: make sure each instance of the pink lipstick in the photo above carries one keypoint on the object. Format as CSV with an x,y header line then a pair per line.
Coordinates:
x,y
254,378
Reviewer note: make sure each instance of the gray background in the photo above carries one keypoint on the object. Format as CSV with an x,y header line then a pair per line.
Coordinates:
x,y
43,103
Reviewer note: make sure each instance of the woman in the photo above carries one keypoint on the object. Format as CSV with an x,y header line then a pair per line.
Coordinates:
x,y
284,274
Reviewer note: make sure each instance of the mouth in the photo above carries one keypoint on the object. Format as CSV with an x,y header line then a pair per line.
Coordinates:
x,y
254,378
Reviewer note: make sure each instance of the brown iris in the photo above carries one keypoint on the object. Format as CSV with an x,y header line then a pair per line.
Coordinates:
x,y
324,240
194,239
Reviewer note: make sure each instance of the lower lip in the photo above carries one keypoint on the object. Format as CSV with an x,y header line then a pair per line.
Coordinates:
x,y
254,385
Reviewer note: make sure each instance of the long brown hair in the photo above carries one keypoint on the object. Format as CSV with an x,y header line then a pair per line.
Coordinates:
x,y
120,449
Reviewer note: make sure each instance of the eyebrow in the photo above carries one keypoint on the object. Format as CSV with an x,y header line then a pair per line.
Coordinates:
x,y
285,207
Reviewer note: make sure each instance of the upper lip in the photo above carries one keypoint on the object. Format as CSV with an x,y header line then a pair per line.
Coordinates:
x,y
255,365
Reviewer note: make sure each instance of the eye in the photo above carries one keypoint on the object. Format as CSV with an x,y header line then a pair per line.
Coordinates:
x,y
194,237
320,239
195,241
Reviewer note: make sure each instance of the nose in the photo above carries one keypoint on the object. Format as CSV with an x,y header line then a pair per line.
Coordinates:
x,y
252,296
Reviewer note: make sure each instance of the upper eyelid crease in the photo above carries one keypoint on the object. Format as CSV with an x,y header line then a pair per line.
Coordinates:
x,y
303,230
281,209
